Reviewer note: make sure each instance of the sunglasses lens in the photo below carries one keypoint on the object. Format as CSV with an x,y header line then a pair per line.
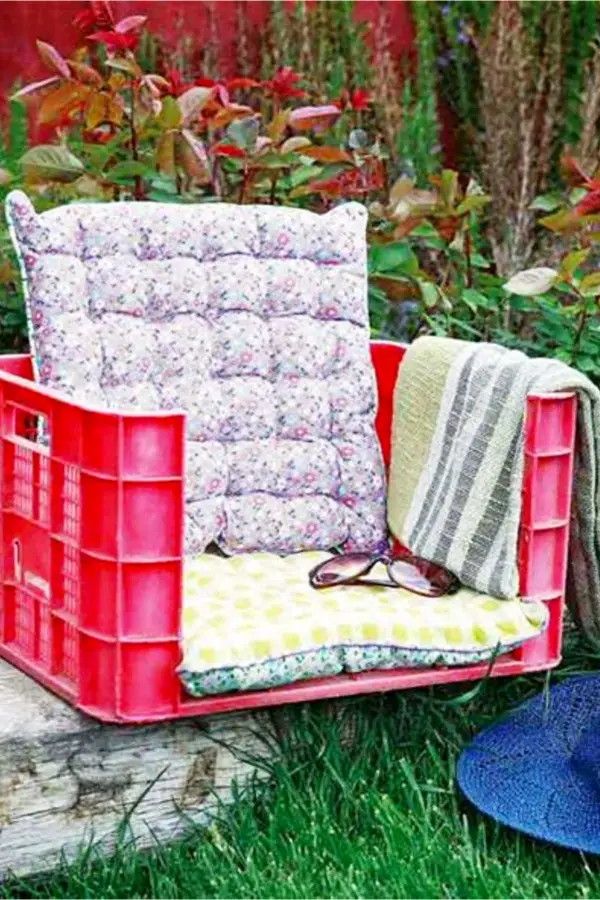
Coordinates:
x,y
423,577
339,569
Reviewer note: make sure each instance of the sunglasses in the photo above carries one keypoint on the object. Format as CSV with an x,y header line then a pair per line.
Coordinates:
x,y
404,570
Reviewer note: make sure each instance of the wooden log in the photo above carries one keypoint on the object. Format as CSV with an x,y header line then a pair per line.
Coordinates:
x,y
66,779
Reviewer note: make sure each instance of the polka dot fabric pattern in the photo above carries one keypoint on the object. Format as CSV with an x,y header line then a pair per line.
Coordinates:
x,y
255,622
254,321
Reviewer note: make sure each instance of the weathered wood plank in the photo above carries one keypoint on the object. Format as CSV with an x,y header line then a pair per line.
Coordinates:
x,y
65,779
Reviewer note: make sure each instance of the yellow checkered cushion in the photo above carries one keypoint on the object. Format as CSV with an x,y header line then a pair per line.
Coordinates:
x,y
253,621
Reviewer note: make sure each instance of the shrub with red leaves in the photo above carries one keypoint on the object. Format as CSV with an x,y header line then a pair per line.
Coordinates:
x,y
353,182
98,15
114,40
229,150
358,99
177,85
283,84
122,35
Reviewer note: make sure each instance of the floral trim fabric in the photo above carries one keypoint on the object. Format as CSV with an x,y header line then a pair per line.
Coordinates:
x,y
253,622
251,319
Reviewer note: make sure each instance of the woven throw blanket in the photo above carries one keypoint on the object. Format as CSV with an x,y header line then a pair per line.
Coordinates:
x,y
457,465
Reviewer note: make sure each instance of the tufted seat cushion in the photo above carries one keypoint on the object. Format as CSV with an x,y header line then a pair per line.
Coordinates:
x,y
254,622
254,320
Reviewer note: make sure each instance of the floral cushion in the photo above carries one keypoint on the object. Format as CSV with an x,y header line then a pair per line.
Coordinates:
x,y
253,319
254,622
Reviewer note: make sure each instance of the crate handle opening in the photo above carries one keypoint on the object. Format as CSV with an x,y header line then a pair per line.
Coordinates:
x,y
17,560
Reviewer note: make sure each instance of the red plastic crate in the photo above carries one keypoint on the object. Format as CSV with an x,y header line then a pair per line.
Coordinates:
x,y
91,525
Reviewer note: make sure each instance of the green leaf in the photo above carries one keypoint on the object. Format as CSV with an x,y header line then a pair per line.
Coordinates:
x,y
449,187
302,190
303,174
571,311
424,230
559,221
475,299
588,364
469,204
163,183
434,243
547,202
330,171
392,257
577,195
166,197
317,176
126,171
589,286
97,155
429,293
377,293
170,115
51,162
572,261
274,161
564,355
243,132
478,261
562,287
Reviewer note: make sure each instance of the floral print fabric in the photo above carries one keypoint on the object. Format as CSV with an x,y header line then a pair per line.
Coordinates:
x,y
251,319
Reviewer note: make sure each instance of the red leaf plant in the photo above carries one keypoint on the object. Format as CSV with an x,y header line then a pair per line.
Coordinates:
x,y
284,84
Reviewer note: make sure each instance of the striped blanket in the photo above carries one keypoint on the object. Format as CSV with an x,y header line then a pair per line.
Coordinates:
x,y
457,465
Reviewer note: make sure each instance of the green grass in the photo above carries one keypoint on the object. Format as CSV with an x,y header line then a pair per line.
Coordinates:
x,y
378,816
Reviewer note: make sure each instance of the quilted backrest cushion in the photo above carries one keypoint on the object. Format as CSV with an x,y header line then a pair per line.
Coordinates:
x,y
253,319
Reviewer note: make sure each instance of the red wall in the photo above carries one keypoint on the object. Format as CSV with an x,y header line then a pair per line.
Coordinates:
x,y
22,21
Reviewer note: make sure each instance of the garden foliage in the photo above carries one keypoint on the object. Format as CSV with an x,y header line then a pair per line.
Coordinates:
x,y
444,246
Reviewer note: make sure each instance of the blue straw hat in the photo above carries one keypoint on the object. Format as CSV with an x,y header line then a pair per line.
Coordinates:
x,y
538,770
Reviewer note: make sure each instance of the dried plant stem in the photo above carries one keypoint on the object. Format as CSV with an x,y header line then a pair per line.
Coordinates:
x,y
305,60
387,84
213,45
468,251
138,188
521,108
588,150
244,63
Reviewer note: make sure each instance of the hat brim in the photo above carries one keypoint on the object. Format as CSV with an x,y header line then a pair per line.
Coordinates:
x,y
519,771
